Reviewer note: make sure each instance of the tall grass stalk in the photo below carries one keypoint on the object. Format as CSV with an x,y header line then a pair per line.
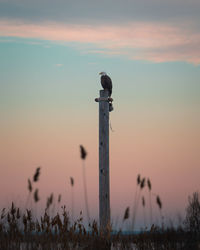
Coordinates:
x,y
85,191
135,199
126,216
159,203
144,213
72,197
30,189
58,203
136,208
36,200
150,203
83,157
141,185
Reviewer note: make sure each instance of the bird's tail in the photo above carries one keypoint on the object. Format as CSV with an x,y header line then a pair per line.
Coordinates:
x,y
111,108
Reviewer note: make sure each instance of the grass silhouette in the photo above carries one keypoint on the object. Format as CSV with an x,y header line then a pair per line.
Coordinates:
x,y
20,229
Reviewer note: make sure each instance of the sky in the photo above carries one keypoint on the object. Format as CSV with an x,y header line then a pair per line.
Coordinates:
x,y
50,55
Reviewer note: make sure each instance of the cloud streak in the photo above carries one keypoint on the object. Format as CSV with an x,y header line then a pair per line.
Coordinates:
x,y
157,42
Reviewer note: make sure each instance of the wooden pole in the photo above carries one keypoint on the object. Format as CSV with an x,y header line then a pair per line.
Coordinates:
x,y
104,186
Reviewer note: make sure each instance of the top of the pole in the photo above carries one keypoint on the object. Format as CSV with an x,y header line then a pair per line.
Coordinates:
x,y
105,98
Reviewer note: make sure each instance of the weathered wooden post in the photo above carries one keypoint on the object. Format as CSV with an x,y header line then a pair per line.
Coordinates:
x,y
104,186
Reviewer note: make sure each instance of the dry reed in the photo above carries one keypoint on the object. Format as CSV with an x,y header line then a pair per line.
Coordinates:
x,y
150,203
83,157
37,174
72,197
20,230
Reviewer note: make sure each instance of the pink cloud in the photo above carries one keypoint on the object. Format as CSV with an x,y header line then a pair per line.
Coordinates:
x,y
140,41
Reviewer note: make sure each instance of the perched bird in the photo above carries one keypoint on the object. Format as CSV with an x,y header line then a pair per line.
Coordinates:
x,y
106,82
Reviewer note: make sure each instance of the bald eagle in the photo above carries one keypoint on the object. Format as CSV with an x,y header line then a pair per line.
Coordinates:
x,y
106,82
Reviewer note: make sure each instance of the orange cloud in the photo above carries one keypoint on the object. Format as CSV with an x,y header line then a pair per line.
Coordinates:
x,y
139,41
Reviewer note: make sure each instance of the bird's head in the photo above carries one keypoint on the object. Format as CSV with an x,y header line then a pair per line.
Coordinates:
x,y
102,73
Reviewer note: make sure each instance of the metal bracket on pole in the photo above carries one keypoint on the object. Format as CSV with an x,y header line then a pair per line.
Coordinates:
x,y
103,99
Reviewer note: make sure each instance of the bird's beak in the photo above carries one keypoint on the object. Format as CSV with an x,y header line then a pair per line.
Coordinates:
x,y
100,73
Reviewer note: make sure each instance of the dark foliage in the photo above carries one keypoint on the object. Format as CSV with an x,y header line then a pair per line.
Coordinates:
x,y
192,220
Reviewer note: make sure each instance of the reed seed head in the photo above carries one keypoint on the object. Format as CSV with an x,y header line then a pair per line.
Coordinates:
x,y
142,183
59,198
149,184
37,174
51,198
49,201
12,209
18,213
126,213
30,188
143,201
83,152
72,181
159,202
36,196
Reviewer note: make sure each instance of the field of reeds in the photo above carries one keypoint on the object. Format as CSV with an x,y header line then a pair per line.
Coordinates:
x,y
21,229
